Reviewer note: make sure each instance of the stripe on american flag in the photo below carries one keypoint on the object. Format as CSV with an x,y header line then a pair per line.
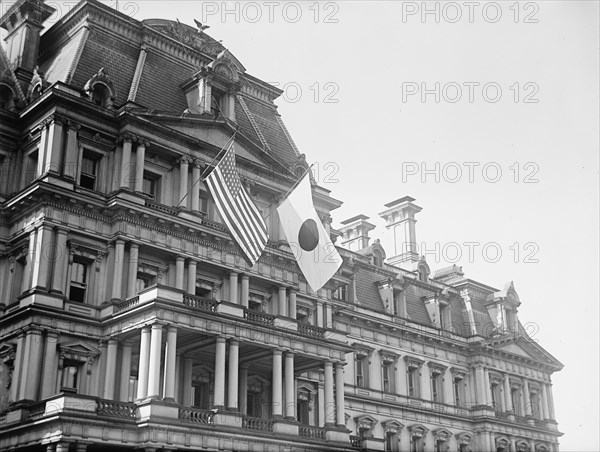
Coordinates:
x,y
239,213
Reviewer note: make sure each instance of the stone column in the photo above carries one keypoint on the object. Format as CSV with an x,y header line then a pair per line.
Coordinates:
x,y
41,267
188,365
329,399
339,395
134,251
425,382
276,385
243,389
293,308
140,156
319,313
527,397
513,444
60,261
33,358
196,167
125,172
401,377
282,298
28,270
142,389
179,269
191,286
290,387
118,270
507,396
183,180
480,383
448,387
233,287
232,387
72,152
245,290
53,152
154,361
170,359
111,369
219,397
550,401
544,397
50,365
125,372
19,365
488,388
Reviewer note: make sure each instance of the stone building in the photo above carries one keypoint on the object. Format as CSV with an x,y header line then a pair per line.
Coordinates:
x,y
130,321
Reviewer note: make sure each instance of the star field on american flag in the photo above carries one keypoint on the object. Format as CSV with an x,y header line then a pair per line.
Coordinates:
x,y
230,173
237,209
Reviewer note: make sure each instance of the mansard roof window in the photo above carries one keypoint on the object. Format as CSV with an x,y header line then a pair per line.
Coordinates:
x,y
7,98
100,90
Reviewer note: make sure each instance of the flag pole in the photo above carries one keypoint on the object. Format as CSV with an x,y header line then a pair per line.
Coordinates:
x,y
225,146
291,189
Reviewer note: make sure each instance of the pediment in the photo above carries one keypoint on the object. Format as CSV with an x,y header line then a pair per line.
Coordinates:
x,y
210,135
515,349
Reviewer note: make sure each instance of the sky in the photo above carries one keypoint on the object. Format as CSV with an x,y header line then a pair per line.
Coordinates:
x,y
486,113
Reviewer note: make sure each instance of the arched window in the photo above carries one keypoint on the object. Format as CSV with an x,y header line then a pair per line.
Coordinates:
x,y
377,258
422,274
101,95
7,98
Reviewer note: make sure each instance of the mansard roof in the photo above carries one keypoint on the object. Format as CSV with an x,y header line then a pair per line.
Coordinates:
x,y
94,36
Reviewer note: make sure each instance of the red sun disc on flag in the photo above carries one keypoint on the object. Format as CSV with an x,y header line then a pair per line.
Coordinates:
x,y
308,236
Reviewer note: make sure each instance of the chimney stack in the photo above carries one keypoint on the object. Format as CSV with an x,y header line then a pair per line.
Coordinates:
x,y
23,21
355,232
400,218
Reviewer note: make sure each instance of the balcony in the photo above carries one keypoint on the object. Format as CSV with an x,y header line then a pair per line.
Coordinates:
x,y
257,424
200,303
259,317
309,432
196,415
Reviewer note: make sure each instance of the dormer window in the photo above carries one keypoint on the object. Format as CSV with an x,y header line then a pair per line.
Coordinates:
x,y
99,89
7,98
377,258
217,102
211,90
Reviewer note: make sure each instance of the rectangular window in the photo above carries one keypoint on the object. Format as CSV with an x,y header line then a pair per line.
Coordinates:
x,y
87,177
144,281
200,395
387,372
70,376
436,387
149,187
514,395
79,280
413,381
458,388
362,371
341,293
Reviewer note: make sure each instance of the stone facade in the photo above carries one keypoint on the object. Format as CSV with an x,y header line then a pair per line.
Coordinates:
x,y
129,319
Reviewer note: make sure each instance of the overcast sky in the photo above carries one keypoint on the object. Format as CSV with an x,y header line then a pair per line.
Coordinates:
x,y
486,114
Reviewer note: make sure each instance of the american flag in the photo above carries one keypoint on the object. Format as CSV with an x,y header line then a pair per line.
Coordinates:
x,y
239,213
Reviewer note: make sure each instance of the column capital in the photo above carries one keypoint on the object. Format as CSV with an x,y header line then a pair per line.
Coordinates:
x,y
127,137
179,258
277,351
184,160
198,163
221,339
244,277
234,342
171,329
142,143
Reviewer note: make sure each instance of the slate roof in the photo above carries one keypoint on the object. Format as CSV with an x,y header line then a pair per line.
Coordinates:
x,y
78,59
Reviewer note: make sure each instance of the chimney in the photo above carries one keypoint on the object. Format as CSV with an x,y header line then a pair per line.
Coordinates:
x,y
23,21
400,218
355,232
